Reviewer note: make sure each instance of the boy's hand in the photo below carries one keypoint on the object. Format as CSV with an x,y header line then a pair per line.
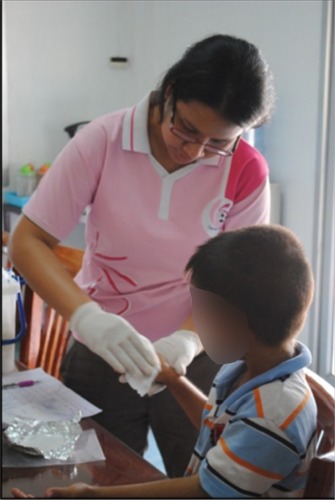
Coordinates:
x,y
17,493
76,490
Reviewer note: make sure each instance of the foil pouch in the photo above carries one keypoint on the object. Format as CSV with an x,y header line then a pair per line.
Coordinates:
x,y
43,438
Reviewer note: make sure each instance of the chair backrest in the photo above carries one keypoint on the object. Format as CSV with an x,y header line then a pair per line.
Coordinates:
x,y
45,341
320,481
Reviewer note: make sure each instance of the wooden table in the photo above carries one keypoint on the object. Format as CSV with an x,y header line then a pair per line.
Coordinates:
x,y
122,466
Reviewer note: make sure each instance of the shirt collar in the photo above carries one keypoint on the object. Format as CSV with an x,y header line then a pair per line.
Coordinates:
x,y
135,132
302,359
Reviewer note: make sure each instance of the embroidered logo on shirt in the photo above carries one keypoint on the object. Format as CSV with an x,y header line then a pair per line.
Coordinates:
x,y
215,214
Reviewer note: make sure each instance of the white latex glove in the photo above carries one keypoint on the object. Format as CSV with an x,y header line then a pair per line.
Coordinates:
x,y
179,350
114,340
142,385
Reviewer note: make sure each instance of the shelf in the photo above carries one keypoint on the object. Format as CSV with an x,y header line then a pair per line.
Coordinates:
x,y
11,198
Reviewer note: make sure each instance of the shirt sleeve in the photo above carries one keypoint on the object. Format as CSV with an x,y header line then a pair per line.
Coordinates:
x,y
70,184
248,186
250,456
254,209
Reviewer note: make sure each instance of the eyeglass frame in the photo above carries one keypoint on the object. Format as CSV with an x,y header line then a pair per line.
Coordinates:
x,y
192,140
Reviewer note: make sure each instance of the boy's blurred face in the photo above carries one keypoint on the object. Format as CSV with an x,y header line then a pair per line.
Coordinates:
x,y
222,327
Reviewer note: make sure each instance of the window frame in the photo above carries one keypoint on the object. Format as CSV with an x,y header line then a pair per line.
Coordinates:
x,y
323,341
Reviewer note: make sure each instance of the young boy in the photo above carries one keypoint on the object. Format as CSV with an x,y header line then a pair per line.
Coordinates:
x,y
251,290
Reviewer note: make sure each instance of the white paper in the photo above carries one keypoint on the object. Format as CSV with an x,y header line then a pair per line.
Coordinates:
x,y
142,384
48,399
87,449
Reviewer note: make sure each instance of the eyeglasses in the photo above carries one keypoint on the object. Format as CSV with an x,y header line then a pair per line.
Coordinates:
x,y
210,148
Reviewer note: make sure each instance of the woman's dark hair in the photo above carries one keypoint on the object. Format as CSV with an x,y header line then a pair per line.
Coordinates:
x,y
227,74
263,271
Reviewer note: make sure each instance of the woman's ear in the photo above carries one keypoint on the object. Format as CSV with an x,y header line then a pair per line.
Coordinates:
x,y
168,92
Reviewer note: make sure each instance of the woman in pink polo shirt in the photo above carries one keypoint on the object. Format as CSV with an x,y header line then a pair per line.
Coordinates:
x,y
159,179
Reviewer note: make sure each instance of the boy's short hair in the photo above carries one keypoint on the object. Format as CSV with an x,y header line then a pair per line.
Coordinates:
x,y
263,271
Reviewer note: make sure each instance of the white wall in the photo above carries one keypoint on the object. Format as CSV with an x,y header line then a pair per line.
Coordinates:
x,y
59,73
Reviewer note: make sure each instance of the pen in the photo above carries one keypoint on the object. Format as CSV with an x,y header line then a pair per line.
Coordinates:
x,y
24,383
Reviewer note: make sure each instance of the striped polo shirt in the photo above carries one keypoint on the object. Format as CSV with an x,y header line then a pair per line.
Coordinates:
x,y
259,440
143,222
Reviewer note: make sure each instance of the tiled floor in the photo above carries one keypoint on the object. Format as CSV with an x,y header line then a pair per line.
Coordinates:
x,y
153,455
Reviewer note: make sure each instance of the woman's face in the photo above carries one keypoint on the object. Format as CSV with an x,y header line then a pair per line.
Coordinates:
x,y
201,123
222,327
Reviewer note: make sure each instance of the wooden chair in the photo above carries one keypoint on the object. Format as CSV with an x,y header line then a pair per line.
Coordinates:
x,y
320,481
45,341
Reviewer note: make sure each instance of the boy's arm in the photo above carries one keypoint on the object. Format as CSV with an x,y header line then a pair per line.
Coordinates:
x,y
182,487
188,396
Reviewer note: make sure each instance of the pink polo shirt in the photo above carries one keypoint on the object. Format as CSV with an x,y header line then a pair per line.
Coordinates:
x,y
144,223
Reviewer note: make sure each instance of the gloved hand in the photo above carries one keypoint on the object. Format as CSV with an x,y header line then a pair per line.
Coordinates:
x,y
179,349
114,340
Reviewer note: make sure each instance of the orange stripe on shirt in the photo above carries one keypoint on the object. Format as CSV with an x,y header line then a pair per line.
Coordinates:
x,y
248,465
208,406
258,402
209,423
295,412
